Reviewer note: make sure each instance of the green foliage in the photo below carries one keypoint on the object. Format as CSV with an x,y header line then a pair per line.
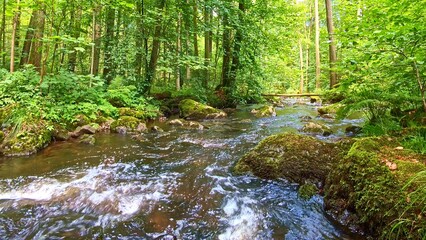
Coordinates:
x,y
63,97
411,223
416,141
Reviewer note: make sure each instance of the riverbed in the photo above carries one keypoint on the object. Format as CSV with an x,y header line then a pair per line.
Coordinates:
x,y
177,183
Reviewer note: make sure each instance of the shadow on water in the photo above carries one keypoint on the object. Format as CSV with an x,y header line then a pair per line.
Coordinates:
x,y
173,184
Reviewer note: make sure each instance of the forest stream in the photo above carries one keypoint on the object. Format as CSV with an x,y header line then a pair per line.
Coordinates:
x,y
177,184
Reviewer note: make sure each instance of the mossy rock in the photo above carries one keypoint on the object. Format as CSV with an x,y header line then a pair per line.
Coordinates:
x,y
1,136
316,128
307,191
29,138
295,157
264,111
130,123
365,193
330,109
80,120
190,109
132,113
87,139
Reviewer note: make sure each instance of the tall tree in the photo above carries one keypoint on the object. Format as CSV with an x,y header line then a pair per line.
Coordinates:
x,y
108,42
155,51
14,30
36,52
3,32
96,40
207,43
317,48
332,44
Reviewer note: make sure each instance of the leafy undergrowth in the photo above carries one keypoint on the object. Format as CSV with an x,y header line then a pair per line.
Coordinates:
x,y
65,100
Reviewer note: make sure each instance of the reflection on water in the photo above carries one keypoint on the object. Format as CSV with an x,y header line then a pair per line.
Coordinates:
x,y
173,184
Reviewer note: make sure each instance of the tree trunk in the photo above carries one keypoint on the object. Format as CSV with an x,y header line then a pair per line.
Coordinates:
x,y
207,47
12,44
109,38
302,77
36,52
195,27
237,45
3,31
332,44
317,48
76,24
155,51
96,38
178,52
227,52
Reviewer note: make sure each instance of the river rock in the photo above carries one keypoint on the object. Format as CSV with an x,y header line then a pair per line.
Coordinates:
x,y
31,136
190,109
60,134
176,122
156,129
87,139
132,113
316,128
142,127
86,129
130,123
295,157
330,109
353,130
264,111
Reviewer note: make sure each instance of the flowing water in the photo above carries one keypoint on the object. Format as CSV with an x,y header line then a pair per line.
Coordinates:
x,y
177,184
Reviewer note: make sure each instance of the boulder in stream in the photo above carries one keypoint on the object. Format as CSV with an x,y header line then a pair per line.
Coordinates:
x,y
87,139
130,124
264,111
86,129
317,128
190,109
295,157
31,136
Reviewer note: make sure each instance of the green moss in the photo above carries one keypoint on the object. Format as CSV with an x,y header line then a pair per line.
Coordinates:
x,y
264,111
132,113
330,109
80,120
1,136
28,138
191,109
297,158
131,123
364,186
308,190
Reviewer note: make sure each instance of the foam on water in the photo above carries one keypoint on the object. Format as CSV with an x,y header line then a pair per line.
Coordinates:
x,y
98,191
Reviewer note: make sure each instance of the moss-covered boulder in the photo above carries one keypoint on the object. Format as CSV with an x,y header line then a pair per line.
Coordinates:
x,y
27,138
307,191
87,139
1,136
264,111
190,109
330,109
80,120
295,157
366,190
129,123
132,113
316,128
